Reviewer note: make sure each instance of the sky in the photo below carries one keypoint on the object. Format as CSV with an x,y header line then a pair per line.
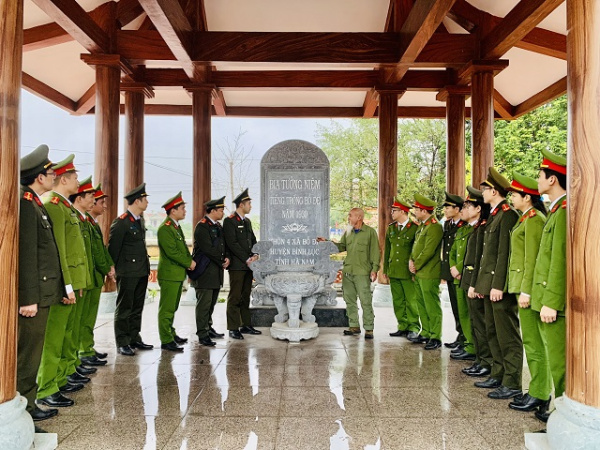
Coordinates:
x,y
168,147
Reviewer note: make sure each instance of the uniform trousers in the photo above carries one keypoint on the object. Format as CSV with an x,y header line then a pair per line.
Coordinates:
x,y
170,296
356,287
405,306
88,322
536,353
29,353
453,294
483,354
130,305
72,358
206,299
238,300
554,336
462,309
430,308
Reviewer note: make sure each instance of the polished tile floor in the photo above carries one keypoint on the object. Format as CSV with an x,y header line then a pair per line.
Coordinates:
x,y
333,392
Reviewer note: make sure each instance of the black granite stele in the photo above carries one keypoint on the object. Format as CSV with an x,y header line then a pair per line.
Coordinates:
x,y
327,316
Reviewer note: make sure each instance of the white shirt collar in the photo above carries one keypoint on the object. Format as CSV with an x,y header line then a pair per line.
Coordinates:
x,y
556,201
403,224
134,216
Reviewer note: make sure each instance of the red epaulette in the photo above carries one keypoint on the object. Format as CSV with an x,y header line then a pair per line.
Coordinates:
x,y
505,207
28,196
564,204
203,220
434,220
55,200
532,213
232,216
123,216
168,223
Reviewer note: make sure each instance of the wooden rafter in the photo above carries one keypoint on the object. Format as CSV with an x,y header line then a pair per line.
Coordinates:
x,y
397,14
48,93
128,11
502,106
552,92
370,104
218,100
87,101
521,20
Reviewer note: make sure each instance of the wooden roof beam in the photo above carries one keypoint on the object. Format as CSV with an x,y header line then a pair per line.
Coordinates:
x,y
370,104
128,11
552,92
48,93
502,106
87,101
69,15
397,14
218,100
522,19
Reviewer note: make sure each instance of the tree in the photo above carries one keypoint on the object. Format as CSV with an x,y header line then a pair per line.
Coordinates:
x,y
234,159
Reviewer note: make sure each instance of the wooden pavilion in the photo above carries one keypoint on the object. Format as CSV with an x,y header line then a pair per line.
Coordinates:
x,y
482,59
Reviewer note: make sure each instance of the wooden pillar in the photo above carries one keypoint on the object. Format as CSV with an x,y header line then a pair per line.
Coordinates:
x,y
201,112
11,43
455,142
482,116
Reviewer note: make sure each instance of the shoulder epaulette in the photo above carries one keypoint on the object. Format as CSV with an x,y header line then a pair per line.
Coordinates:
x,y
483,222
123,216
505,207
564,204
434,220
203,220
532,213
232,216
28,196
55,200
168,223
390,224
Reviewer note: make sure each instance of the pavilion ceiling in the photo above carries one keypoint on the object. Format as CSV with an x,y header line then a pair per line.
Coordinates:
x,y
315,58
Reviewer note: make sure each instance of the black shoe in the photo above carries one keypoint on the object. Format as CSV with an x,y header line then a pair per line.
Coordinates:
x,y
416,338
38,414
213,334
352,331
179,340
399,333
482,372
452,344
76,378
433,344
504,393
83,370
457,350
490,383
126,350
56,400
39,430
141,346
473,368
543,416
249,330
235,334
100,355
368,334
208,342
463,356
172,347
529,403
71,387
92,361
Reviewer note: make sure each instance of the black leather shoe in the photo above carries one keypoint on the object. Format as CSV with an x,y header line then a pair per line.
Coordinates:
x,y
141,346
214,334
38,414
452,344
208,342
126,350
542,415
179,340
433,344
463,356
83,370
529,403
482,372
172,347
235,334
92,361
490,383
399,333
457,350
76,378
416,338
56,400
249,330
100,355
504,393
471,368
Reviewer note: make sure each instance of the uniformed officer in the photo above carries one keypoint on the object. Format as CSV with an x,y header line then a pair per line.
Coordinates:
x,y
549,279
425,264
478,212
103,266
40,279
239,240
52,376
209,241
174,259
524,245
127,248
360,268
501,308
399,239
452,206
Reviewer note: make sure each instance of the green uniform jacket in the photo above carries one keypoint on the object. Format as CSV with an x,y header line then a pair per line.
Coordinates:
x,y
449,235
40,277
456,256
127,246
69,241
209,240
102,260
550,275
86,232
493,268
239,240
398,245
363,251
174,257
427,248
472,256
524,245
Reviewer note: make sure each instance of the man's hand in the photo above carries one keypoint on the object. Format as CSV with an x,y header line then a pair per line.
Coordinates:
x,y
321,239
386,278
548,315
29,310
496,295
411,266
192,265
373,276
524,301
70,300
471,293
251,259
111,272
226,263
454,272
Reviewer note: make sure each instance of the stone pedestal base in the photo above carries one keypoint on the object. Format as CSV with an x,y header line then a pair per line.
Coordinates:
x,y
574,426
16,425
304,332
537,441
382,295
45,441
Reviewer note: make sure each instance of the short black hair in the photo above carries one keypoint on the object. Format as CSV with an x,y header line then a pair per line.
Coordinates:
x,y
30,179
562,178
72,197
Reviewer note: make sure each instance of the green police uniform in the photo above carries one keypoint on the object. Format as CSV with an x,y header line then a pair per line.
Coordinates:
x,y
73,260
40,277
501,317
426,257
127,248
456,258
362,258
399,239
174,259
209,240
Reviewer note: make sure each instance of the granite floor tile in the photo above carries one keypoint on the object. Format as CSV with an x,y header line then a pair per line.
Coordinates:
x,y
409,402
233,401
319,376
247,375
316,356
165,372
335,402
502,434
242,354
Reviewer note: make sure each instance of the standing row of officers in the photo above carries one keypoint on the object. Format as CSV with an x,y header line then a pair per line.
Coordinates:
x,y
63,264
